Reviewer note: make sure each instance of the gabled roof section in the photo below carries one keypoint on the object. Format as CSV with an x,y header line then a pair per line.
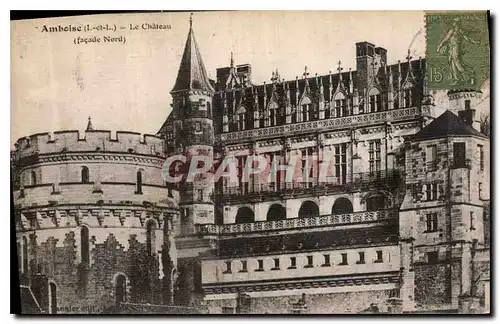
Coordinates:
x,y
447,124
192,74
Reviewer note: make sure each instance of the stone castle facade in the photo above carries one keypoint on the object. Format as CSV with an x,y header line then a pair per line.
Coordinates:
x,y
404,228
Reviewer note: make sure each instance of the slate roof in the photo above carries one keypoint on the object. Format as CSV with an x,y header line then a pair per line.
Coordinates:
x,y
447,124
192,74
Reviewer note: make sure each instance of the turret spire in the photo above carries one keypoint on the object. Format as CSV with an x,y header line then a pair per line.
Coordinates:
x,y
89,124
192,74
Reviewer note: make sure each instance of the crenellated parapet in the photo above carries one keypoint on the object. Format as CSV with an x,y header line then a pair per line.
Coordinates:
x,y
89,141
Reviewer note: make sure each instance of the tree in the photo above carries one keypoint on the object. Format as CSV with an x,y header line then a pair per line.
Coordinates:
x,y
485,125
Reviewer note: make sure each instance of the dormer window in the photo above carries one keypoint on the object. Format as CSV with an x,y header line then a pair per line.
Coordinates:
x,y
407,98
241,118
273,114
304,110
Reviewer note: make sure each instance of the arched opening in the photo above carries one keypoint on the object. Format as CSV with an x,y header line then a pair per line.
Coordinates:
x,y
276,212
85,174
376,202
33,178
342,206
53,298
150,237
120,288
139,182
308,209
25,254
84,245
245,215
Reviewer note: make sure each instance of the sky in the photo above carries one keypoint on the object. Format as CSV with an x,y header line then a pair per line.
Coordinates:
x,y
57,85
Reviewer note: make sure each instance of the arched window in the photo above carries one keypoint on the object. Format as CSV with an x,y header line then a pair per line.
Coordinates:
x,y
342,206
25,254
53,298
150,237
276,212
85,174
33,178
120,288
85,245
376,202
245,215
139,182
308,209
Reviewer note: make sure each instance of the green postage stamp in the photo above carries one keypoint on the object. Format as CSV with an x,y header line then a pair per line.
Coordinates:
x,y
458,50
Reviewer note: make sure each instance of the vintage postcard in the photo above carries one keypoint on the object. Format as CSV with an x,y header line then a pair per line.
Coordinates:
x,y
316,162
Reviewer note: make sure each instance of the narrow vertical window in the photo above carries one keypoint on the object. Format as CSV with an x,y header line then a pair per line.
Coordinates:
x,y
85,174
467,104
260,265
25,255
344,259
293,263
150,237
243,266
120,289
472,228
276,264
33,178
228,267
431,157
327,260
379,258
361,259
459,155
309,262
432,222
139,183
84,245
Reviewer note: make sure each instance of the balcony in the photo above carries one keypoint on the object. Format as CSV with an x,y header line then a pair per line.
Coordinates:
x,y
385,179
297,223
324,125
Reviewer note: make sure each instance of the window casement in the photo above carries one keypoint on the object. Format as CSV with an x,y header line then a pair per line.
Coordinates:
x,y
327,260
33,178
293,263
273,113
375,103
361,258
307,170
459,154
431,191
379,258
276,264
120,288
85,175
374,156
228,267
431,158
304,110
343,259
431,222
432,257
309,262
244,266
138,183
260,265
340,108
407,97
242,182
340,163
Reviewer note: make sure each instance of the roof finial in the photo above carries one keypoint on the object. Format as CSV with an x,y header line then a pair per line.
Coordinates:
x,y
89,124
408,57
191,20
340,68
305,74
232,59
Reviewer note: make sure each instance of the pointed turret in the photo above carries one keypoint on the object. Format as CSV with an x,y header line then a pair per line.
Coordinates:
x,y
89,124
192,74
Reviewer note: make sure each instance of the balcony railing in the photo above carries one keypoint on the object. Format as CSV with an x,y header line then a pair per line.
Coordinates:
x,y
296,223
324,124
358,181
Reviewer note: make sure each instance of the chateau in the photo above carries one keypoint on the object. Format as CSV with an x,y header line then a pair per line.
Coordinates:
x,y
404,228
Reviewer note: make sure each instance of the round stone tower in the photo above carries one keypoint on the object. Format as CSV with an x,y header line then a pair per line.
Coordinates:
x,y
90,215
